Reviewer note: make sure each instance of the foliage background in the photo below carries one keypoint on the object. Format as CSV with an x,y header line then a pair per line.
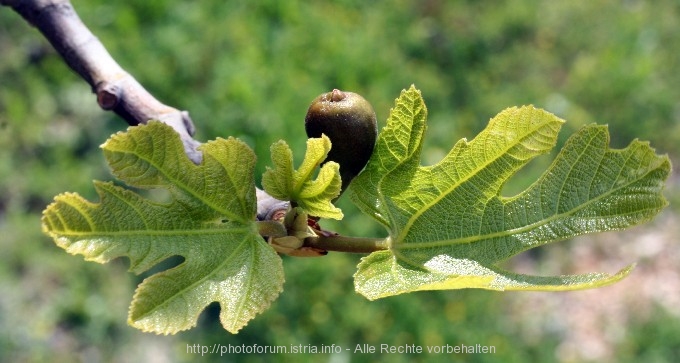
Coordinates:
x,y
250,69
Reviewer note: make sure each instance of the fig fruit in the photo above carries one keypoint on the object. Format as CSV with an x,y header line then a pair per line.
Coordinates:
x,y
350,123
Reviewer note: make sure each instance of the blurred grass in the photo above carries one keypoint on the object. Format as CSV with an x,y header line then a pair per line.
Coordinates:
x,y
249,70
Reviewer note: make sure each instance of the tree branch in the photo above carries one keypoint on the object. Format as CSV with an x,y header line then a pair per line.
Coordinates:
x,y
340,243
116,89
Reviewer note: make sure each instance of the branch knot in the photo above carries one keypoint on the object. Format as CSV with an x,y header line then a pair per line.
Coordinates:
x,y
108,95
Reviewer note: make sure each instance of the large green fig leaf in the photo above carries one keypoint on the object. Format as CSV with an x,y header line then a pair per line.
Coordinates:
x,y
209,221
448,225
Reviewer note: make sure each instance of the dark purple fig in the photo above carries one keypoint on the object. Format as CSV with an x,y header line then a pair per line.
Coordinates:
x,y
350,123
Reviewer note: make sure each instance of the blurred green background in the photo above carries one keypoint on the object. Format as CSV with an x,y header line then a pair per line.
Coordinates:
x,y
250,69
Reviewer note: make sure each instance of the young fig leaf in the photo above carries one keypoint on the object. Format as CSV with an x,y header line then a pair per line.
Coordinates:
x,y
449,227
314,196
209,221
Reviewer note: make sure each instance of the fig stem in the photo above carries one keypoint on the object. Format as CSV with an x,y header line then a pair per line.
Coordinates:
x,y
340,243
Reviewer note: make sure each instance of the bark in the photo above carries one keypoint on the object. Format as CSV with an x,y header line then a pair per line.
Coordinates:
x,y
115,89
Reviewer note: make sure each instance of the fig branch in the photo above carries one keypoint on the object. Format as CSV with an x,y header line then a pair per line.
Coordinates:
x,y
116,90
340,243
345,117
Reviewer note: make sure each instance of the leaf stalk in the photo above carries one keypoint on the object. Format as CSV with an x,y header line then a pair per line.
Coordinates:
x,y
340,243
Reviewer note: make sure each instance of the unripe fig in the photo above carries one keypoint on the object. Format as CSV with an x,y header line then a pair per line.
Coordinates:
x,y
350,123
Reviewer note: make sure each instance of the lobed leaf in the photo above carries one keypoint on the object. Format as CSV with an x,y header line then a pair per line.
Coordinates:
x,y
209,221
312,195
448,224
